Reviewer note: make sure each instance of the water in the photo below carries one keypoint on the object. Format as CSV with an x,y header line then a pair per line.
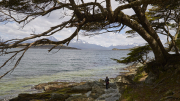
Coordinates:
x,y
39,66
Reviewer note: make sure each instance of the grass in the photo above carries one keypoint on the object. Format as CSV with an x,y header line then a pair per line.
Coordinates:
x,y
165,88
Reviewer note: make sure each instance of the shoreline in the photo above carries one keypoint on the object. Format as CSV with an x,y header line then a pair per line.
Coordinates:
x,y
74,90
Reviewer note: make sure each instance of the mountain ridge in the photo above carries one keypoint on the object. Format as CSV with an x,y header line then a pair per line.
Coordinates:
x,y
81,44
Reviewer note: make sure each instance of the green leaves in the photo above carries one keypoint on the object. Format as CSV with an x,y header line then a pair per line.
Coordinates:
x,y
136,55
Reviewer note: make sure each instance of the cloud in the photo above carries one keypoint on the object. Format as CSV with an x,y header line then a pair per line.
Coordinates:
x,y
43,23
109,39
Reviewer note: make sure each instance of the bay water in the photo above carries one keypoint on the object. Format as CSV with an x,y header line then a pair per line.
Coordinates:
x,y
39,66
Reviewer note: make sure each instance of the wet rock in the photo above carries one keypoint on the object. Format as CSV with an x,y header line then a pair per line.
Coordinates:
x,y
55,85
79,98
112,85
100,84
96,91
110,95
28,97
61,97
85,87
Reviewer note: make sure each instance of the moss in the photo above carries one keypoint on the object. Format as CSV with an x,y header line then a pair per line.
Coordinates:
x,y
140,73
128,95
137,77
166,85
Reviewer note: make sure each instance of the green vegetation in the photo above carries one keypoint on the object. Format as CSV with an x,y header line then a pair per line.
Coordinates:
x,y
136,55
165,87
139,74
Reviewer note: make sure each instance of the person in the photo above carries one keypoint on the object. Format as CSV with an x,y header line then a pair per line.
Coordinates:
x,y
107,82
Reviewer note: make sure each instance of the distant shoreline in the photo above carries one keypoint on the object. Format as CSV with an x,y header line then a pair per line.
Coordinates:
x,y
50,46
119,49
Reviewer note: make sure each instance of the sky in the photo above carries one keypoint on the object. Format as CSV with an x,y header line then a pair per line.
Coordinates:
x,y
14,30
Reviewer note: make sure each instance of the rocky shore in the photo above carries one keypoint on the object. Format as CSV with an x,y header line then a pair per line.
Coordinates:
x,y
133,85
83,91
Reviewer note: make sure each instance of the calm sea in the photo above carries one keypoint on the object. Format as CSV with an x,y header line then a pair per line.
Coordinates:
x,y
39,66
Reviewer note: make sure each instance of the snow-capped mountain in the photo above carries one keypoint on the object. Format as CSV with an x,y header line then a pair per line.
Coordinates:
x,y
81,44
122,46
128,46
52,38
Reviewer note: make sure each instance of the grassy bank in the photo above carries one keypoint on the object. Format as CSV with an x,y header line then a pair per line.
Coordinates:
x,y
165,87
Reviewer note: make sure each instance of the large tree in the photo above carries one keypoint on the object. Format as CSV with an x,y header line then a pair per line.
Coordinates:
x,y
166,21
87,16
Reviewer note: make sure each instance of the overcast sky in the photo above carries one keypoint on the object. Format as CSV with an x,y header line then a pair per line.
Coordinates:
x,y
41,24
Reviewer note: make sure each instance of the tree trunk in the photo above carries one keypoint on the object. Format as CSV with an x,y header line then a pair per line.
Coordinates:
x,y
157,50
147,26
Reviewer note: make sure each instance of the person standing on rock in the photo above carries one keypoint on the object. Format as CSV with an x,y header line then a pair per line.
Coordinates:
x,y
107,82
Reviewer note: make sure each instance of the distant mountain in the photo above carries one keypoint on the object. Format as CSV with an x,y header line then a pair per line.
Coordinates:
x,y
81,44
85,45
49,46
52,38
122,46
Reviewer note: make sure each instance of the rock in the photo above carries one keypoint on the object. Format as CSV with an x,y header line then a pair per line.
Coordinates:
x,y
61,97
85,87
28,97
97,91
125,79
49,87
40,86
97,83
55,85
110,95
112,85
150,79
101,81
79,98
111,80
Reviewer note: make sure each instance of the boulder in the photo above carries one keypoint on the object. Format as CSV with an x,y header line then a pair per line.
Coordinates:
x,y
97,91
100,84
127,79
150,79
112,85
101,81
40,86
29,97
85,87
61,97
79,98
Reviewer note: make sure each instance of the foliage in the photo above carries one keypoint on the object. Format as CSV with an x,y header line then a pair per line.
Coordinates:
x,y
92,17
136,55
165,20
178,41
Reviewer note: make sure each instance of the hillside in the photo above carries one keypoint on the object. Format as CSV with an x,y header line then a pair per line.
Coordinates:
x,y
50,46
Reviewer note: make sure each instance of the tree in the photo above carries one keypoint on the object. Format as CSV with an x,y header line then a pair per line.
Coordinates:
x,y
166,21
87,16
136,55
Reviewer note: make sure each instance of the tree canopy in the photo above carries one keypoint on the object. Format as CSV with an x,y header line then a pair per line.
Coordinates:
x,y
136,55
92,16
